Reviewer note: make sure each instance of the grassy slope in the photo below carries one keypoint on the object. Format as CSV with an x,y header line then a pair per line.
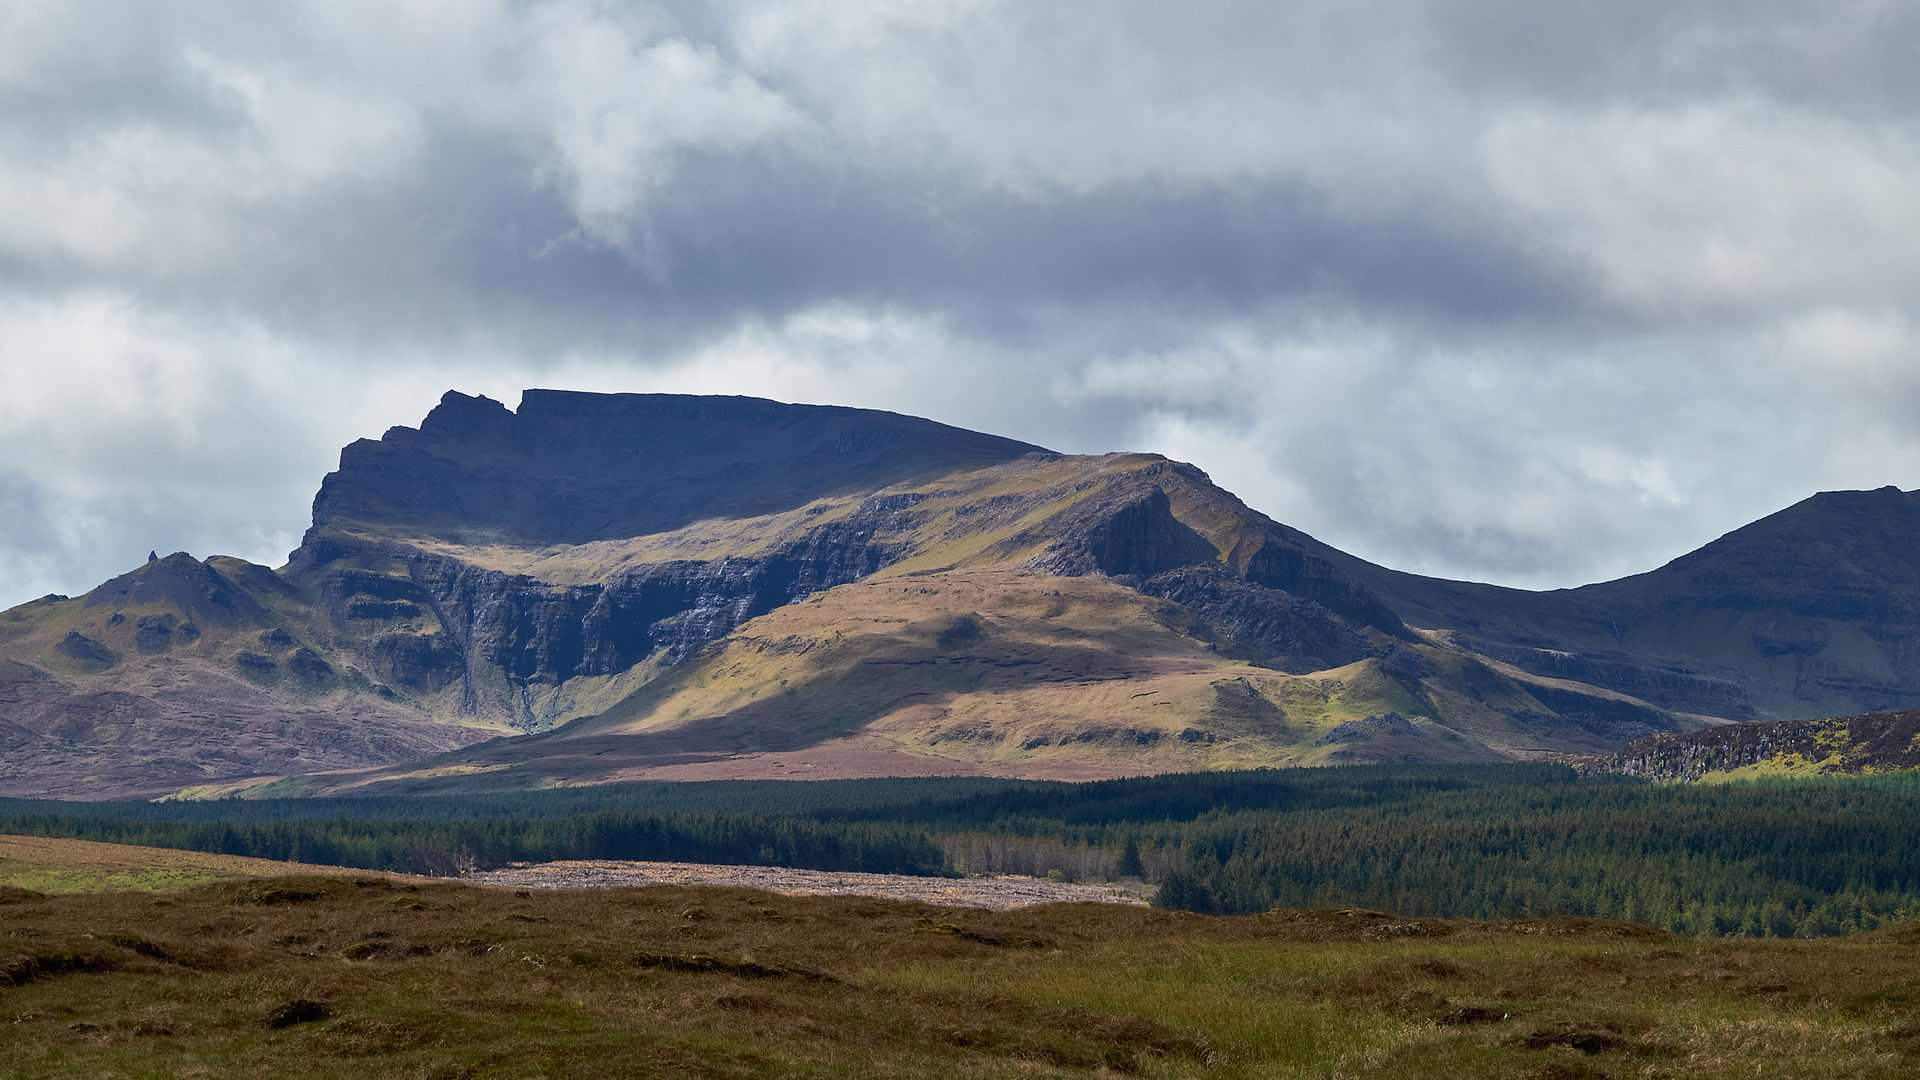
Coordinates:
x,y
448,980
55,866
143,723
988,671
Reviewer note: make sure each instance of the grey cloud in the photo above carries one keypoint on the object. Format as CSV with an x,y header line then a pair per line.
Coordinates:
x,y
1526,292
1853,57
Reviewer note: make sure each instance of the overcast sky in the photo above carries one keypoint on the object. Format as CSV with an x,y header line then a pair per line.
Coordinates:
x,y
1531,293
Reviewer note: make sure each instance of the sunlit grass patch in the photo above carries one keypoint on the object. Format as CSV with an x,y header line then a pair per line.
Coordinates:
x,y
58,866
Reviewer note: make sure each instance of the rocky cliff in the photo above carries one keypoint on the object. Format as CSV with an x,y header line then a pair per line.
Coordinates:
x,y
454,625
571,468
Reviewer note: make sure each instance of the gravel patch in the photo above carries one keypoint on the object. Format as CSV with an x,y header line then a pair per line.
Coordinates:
x,y
997,893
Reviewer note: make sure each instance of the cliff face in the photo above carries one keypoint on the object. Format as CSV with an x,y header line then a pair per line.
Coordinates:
x,y
406,595
570,468
430,621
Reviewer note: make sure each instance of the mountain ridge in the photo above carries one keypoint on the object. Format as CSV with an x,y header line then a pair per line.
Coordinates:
x,y
654,586
571,467
1837,570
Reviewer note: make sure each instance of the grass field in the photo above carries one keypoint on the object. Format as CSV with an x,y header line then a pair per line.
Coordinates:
x,y
362,976
40,864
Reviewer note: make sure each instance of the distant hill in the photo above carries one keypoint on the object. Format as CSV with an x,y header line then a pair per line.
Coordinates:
x,y
1810,612
607,587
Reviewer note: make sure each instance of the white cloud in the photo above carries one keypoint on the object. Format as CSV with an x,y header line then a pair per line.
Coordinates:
x,y
621,100
1719,209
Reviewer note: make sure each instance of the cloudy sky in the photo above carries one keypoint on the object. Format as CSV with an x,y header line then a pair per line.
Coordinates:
x,y
1530,293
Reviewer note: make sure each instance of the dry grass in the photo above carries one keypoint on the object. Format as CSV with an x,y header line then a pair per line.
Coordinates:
x,y
40,864
323,977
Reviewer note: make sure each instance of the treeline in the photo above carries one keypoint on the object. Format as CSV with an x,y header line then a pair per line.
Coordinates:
x,y
450,848
1752,861
1801,858
1784,858
1186,796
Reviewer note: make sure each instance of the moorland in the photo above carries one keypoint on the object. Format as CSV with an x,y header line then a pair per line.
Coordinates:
x,y
317,977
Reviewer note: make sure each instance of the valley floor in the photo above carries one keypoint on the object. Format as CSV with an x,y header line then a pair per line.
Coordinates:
x,y
369,976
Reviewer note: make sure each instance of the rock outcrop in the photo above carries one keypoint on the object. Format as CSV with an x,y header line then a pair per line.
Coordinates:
x,y
1847,745
421,616
1269,626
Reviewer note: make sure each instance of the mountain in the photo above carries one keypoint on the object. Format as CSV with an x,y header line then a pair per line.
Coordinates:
x,y
185,671
604,587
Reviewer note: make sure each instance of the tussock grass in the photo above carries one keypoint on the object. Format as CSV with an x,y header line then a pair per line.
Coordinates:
x,y
356,977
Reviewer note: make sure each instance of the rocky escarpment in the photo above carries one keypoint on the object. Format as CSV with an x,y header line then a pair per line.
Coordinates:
x,y
1271,627
1130,532
428,621
570,468
1873,742
1276,604
1127,533
424,618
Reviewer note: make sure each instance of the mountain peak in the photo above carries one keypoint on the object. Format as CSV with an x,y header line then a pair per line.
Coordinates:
x,y
571,467
1837,554
461,417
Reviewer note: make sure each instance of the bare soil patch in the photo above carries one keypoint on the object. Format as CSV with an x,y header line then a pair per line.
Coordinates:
x,y
1000,893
